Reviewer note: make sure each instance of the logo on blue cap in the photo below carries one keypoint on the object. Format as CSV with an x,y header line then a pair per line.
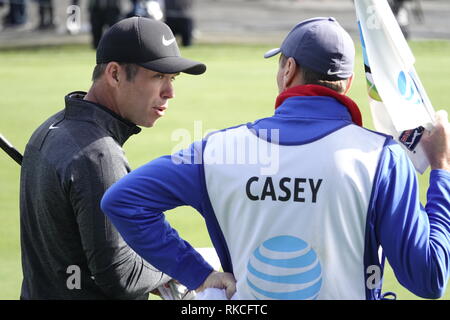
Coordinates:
x,y
286,268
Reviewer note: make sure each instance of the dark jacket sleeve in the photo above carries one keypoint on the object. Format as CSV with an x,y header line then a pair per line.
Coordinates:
x,y
136,205
114,266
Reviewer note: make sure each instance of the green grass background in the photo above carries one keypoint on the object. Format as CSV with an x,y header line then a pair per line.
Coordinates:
x,y
238,87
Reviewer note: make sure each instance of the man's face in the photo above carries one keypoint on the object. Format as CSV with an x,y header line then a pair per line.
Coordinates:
x,y
145,99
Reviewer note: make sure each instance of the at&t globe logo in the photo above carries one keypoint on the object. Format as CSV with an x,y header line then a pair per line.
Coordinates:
x,y
284,267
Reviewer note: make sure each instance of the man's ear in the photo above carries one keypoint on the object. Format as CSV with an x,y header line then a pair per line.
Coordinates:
x,y
113,74
349,84
290,73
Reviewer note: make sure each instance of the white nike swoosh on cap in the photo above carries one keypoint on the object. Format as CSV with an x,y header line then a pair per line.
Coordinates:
x,y
52,127
331,73
167,42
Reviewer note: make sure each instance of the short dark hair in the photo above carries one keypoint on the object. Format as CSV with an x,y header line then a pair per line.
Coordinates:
x,y
312,77
131,70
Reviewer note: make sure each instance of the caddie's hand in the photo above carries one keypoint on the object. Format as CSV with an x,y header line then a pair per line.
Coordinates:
x,y
220,280
436,143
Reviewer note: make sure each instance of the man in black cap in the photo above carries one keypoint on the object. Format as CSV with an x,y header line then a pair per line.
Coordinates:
x,y
70,250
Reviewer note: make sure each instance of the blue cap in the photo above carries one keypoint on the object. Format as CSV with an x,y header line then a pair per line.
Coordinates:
x,y
321,45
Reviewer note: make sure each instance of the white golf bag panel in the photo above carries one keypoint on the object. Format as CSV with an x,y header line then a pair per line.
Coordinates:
x,y
294,216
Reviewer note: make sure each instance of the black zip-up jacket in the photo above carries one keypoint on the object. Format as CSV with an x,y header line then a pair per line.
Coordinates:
x,y
70,250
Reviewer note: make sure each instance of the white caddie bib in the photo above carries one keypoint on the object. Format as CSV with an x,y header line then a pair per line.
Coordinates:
x,y
294,216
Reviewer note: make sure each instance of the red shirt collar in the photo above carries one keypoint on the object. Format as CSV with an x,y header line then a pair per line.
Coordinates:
x,y
316,90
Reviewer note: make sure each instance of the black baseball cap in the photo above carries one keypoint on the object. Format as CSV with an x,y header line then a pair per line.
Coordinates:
x,y
147,43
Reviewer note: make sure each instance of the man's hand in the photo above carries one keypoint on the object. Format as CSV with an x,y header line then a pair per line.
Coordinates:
x,y
220,280
436,142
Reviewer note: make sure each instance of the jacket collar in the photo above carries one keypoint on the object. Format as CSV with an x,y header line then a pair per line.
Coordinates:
x,y
79,109
321,91
318,108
